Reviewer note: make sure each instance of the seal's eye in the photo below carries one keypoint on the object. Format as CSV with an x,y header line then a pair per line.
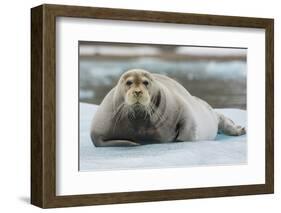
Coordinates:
x,y
145,83
129,83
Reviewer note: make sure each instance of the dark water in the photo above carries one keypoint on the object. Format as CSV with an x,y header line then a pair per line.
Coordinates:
x,y
221,83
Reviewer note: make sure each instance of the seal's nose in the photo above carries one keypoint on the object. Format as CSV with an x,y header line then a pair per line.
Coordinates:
x,y
137,93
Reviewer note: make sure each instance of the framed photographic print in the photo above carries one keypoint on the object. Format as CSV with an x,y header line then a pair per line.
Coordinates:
x,y
136,106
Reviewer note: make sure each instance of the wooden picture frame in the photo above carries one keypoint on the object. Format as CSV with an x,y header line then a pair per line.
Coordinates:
x,y
43,105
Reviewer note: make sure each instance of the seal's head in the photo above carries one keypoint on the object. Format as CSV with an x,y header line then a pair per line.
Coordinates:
x,y
137,85
136,92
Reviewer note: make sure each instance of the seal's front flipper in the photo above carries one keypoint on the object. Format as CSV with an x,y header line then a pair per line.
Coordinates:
x,y
116,143
185,131
228,127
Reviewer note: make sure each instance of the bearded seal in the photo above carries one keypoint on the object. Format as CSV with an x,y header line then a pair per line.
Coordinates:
x,y
151,108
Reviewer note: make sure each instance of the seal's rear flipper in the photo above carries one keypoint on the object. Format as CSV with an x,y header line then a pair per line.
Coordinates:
x,y
228,127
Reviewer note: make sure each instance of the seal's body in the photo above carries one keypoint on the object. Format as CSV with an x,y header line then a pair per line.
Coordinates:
x,y
152,108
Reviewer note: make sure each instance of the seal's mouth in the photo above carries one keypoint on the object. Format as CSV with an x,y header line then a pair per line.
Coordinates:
x,y
134,101
138,106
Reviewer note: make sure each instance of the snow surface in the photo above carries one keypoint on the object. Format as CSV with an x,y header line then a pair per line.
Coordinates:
x,y
225,150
